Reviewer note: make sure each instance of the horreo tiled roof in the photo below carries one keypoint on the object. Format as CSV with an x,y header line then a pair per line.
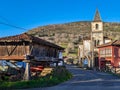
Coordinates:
x,y
29,38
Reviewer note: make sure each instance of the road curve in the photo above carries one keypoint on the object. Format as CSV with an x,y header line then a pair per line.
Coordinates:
x,y
87,80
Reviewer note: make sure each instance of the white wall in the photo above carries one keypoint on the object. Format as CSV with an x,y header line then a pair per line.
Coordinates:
x,y
80,51
87,46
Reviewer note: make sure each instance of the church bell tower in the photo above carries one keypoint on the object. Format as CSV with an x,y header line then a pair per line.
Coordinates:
x,y
97,29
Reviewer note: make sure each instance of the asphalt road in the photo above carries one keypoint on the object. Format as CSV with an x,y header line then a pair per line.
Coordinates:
x,y
87,80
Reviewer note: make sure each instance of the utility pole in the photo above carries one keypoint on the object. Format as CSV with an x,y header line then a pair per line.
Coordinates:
x,y
92,50
93,53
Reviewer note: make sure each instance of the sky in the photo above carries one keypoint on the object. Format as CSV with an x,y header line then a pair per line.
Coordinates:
x,y
19,16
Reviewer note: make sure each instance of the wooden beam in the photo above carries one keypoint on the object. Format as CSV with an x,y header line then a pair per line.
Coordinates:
x,y
31,49
24,48
9,53
13,50
12,58
6,48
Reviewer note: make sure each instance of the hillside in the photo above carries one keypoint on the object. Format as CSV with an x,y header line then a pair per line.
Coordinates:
x,y
70,28
74,30
69,35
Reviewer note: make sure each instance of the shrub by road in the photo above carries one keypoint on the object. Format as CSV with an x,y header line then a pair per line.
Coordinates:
x,y
59,75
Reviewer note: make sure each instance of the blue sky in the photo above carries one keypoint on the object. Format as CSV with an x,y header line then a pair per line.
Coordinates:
x,y
29,14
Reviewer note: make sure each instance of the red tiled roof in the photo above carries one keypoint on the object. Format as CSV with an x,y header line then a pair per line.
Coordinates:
x,y
30,38
20,37
113,43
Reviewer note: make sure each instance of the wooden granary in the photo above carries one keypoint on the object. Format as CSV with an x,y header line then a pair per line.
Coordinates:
x,y
27,48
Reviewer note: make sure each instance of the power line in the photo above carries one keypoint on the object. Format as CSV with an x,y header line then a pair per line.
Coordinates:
x,y
12,26
7,24
3,18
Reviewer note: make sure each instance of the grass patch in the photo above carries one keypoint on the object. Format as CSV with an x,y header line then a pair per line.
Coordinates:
x,y
64,45
59,74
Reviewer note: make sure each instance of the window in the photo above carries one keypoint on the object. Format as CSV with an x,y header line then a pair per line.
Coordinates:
x,y
107,52
102,53
97,26
94,43
98,42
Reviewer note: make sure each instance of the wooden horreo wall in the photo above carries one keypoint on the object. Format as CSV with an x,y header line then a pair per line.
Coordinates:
x,y
17,47
13,50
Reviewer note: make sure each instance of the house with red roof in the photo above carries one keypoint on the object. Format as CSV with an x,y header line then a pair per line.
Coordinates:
x,y
109,53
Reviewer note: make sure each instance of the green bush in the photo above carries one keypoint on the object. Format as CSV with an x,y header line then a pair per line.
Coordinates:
x,y
59,74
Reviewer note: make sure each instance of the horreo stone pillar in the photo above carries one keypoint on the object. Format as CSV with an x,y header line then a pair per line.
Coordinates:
x,y
27,73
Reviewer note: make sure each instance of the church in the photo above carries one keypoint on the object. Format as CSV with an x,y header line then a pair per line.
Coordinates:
x,y
88,51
